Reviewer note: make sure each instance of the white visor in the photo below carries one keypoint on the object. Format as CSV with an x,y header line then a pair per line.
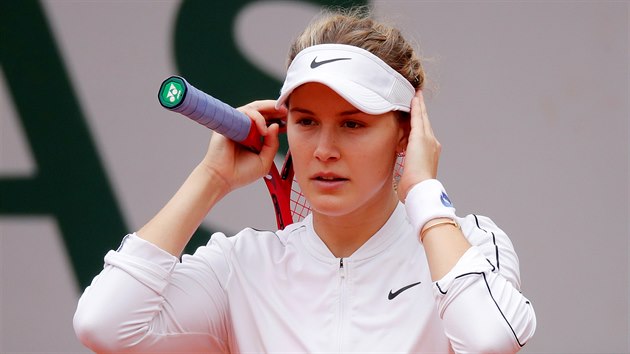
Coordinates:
x,y
360,77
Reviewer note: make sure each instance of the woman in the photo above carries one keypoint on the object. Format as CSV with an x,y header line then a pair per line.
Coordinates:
x,y
364,273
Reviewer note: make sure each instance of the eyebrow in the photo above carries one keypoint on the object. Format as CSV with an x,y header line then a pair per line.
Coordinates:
x,y
306,111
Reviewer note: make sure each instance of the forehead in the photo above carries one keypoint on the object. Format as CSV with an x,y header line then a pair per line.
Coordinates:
x,y
321,100
316,96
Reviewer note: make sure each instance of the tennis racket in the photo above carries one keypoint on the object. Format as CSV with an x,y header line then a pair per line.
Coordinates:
x,y
289,204
177,95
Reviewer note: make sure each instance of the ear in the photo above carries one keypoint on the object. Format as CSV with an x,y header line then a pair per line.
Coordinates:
x,y
404,127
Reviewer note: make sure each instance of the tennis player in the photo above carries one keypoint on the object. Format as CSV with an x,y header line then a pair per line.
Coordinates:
x,y
374,268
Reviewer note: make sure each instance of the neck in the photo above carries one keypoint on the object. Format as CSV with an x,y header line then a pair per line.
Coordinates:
x,y
345,234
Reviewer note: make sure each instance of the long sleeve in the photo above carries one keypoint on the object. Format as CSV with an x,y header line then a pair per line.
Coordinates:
x,y
145,300
479,300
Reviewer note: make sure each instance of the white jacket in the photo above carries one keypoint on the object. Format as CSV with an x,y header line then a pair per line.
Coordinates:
x,y
261,291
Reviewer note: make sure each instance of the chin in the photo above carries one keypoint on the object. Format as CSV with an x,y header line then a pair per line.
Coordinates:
x,y
331,206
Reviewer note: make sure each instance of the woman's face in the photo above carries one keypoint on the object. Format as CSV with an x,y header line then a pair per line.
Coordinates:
x,y
343,158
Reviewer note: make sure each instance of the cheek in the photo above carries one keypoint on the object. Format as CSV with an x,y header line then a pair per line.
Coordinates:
x,y
381,158
372,158
382,163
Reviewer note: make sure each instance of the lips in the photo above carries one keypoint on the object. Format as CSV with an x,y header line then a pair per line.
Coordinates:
x,y
328,177
328,182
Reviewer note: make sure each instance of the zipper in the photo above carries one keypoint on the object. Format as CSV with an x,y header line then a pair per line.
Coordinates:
x,y
342,301
341,269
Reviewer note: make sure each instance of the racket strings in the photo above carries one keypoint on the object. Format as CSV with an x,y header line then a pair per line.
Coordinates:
x,y
300,207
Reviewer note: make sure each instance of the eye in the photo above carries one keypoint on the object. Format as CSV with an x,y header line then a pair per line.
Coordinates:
x,y
352,124
306,122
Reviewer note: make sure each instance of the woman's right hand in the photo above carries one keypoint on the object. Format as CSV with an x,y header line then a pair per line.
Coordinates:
x,y
234,164
225,167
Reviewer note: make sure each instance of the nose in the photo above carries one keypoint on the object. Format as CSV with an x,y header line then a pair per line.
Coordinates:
x,y
326,148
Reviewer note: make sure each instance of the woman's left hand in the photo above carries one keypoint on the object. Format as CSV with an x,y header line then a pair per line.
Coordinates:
x,y
423,149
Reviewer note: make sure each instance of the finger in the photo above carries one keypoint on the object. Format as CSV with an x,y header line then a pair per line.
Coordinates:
x,y
262,105
256,116
424,115
263,113
417,124
268,108
261,123
270,146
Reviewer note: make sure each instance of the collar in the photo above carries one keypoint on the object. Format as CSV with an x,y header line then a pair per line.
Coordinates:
x,y
394,228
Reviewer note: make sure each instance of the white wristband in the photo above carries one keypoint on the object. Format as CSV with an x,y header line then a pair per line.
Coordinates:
x,y
426,201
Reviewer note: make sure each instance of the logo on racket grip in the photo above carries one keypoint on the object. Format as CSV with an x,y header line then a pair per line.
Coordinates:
x,y
172,92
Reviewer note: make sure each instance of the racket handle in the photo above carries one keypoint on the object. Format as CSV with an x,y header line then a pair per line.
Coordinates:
x,y
177,95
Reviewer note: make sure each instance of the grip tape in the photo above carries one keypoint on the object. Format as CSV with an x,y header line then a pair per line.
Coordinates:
x,y
177,95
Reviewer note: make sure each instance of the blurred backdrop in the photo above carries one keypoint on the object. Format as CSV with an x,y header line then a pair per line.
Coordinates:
x,y
529,100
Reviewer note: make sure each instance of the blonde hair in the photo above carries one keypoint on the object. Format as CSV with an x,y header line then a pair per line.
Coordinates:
x,y
358,28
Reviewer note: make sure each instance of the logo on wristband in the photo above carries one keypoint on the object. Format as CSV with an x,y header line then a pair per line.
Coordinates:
x,y
445,201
